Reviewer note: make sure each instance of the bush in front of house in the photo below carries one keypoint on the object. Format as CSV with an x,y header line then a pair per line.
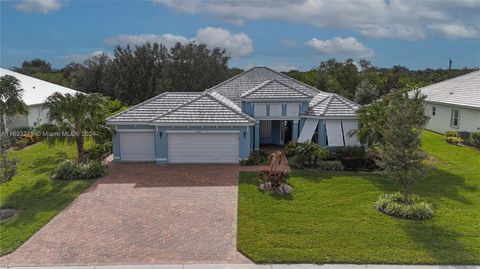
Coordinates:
x,y
8,167
256,157
305,155
71,170
453,137
98,152
291,149
408,207
274,181
475,139
330,165
354,158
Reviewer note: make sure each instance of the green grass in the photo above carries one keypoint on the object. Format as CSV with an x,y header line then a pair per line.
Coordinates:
x,y
330,217
32,191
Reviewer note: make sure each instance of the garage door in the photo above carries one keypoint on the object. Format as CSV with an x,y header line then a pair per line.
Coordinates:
x,y
137,146
203,147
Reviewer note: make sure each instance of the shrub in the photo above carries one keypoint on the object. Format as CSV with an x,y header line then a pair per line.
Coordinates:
x,y
291,149
475,139
98,152
312,152
70,170
454,140
354,158
275,181
8,167
256,157
451,134
331,165
412,207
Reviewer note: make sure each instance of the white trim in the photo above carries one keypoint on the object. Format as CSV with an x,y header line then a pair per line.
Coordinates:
x,y
231,125
451,104
201,132
161,159
116,158
127,123
277,118
135,130
329,117
275,100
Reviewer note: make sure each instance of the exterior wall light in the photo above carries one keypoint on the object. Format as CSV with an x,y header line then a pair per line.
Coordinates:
x,y
160,134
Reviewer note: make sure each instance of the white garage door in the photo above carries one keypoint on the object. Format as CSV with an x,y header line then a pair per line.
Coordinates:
x,y
203,147
137,146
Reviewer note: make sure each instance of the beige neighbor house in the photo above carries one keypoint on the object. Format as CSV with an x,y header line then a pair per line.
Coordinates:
x,y
454,104
35,93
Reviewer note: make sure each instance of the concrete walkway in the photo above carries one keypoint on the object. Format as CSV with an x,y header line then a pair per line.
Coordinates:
x,y
263,266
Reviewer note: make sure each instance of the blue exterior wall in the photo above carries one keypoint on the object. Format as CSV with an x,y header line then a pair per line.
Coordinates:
x,y
161,138
303,107
247,108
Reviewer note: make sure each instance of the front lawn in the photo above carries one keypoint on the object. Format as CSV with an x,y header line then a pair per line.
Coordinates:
x,y
330,218
32,192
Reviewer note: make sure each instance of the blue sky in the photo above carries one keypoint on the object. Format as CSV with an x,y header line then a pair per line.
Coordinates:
x,y
280,34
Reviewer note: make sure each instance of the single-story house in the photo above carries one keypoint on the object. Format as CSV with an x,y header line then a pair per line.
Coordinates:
x,y
35,93
454,104
226,122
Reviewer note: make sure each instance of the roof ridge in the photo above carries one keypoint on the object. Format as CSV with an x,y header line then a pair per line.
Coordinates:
x,y
178,107
256,88
228,80
343,100
450,79
227,106
321,100
298,81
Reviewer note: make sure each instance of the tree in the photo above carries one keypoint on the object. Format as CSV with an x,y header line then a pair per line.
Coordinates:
x,y
400,154
34,66
8,167
372,119
11,102
74,115
193,67
138,74
338,77
366,93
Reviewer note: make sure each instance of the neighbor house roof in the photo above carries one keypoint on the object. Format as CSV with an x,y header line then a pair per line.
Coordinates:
x,y
36,91
274,89
461,91
208,108
234,87
332,105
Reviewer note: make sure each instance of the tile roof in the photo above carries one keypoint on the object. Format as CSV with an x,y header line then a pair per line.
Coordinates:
x,y
208,108
274,89
234,87
154,107
462,91
332,105
36,91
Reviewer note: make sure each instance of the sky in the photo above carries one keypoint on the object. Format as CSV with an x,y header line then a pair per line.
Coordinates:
x,y
281,34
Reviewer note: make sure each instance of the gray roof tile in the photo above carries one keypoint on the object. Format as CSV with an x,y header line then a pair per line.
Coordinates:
x,y
332,105
274,89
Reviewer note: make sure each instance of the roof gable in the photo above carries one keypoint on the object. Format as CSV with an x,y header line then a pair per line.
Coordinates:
x,y
271,89
332,105
36,91
208,108
234,87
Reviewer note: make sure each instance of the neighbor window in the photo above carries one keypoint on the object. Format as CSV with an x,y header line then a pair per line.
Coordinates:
x,y
434,110
455,121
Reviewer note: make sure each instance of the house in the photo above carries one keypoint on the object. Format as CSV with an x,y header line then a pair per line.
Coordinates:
x,y
454,104
35,93
226,122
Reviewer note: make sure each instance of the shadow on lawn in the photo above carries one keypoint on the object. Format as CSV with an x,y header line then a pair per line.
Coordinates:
x,y
43,164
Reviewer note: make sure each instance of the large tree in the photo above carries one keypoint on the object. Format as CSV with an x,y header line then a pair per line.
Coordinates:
x,y
11,102
338,77
194,67
74,116
399,154
34,66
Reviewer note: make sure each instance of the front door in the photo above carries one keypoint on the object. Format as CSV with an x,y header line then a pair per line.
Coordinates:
x,y
287,131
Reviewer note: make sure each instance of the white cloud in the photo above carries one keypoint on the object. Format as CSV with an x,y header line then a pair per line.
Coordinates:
x,y
38,6
455,31
237,45
338,46
398,19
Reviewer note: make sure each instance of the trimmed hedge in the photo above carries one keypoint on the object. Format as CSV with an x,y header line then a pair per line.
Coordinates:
x,y
70,170
413,207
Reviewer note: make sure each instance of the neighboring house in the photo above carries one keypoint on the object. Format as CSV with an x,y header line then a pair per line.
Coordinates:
x,y
454,104
35,94
226,122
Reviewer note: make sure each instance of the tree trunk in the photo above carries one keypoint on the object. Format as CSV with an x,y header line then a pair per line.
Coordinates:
x,y
80,151
3,124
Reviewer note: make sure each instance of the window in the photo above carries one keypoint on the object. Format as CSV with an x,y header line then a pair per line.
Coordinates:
x,y
434,110
455,121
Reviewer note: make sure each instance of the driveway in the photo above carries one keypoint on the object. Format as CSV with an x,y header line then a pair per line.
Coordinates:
x,y
143,214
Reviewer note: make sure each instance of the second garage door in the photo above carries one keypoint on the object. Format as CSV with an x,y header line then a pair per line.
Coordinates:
x,y
203,147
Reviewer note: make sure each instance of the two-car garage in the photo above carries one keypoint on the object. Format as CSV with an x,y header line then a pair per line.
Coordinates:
x,y
181,146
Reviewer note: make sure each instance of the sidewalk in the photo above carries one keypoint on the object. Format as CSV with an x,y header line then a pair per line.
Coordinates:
x,y
261,266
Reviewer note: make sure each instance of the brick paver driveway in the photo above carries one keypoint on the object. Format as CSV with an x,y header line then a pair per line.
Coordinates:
x,y
141,214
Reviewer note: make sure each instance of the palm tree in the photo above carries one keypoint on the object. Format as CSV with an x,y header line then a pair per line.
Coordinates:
x,y
11,102
74,115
